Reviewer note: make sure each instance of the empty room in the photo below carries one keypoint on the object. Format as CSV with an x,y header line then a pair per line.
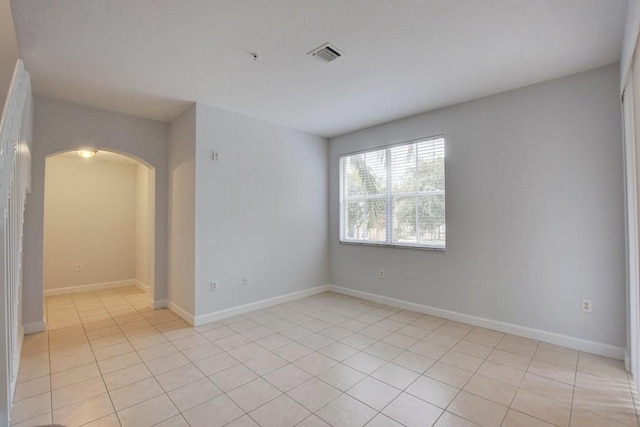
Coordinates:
x,y
319,213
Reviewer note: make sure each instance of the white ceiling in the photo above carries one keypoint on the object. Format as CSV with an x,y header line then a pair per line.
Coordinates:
x,y
150,58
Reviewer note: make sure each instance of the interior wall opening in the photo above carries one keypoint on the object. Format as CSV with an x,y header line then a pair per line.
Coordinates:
x,y
99,222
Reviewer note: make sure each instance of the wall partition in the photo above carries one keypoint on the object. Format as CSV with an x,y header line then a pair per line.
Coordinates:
x,y
630,94
16,127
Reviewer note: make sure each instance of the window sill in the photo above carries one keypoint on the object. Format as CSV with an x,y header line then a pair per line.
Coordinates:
x,y
395,246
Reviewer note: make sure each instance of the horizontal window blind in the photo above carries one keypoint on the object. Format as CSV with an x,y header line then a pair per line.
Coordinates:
x,y
395,195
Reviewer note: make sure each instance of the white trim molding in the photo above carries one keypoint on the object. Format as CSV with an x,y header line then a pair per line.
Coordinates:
x,y
142,286
161,303
180,311
241,309
32,328
509,328
90,287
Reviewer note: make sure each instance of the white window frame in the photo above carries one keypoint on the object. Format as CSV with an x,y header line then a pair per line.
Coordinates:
x,y
388,196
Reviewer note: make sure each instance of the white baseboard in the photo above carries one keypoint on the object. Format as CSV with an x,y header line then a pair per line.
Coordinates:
x,y
161,303
627,360
142,286
241,309
181,312
90,287
32,328
509,328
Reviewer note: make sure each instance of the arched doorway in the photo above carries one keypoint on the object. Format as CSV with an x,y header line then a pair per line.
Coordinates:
x,y
99,233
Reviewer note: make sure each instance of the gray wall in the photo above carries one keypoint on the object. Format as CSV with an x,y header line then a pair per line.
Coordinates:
x,y
182,188
62,126
534,210
89,218
261,210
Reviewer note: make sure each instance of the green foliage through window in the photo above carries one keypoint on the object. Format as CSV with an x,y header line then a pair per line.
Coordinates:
x,y
394,195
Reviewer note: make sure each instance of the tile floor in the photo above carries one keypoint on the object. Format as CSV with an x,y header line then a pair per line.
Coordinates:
x,y
109,360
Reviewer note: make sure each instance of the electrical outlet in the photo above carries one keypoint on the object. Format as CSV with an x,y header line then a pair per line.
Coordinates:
x,y
214,286
78,267
245,281
381,274
405,278
586,305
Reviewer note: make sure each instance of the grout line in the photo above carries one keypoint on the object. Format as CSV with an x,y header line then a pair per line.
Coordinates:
x,y
337,310
465,384
46,316
96,360
82,324
573,389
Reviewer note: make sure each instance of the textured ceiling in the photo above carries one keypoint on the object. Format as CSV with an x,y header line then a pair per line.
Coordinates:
x,y
150,58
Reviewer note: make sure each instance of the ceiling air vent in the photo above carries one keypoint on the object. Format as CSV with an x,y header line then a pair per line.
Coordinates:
x,y
326,53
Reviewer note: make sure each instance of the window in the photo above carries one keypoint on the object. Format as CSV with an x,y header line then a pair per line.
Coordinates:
x,y
394,196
